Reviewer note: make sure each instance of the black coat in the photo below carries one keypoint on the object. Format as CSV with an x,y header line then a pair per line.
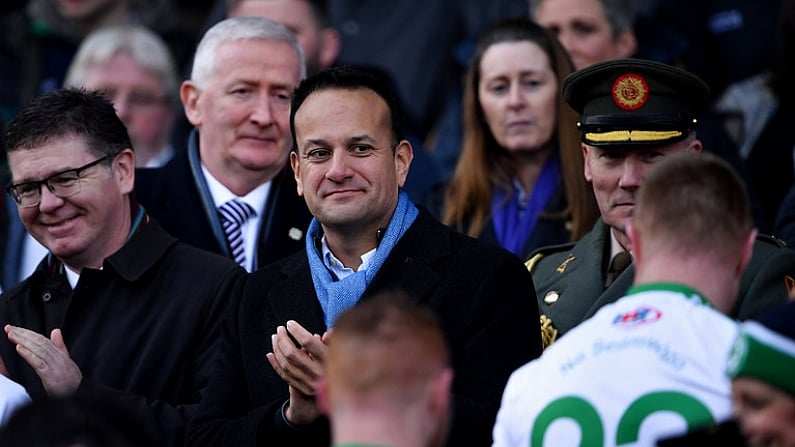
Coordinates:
x,y
482,295
144,328
176,195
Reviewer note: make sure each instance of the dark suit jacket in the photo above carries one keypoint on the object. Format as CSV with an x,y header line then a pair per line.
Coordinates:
x,y
576,273
482,295
176,195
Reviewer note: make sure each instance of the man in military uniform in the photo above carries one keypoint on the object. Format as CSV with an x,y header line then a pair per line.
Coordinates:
x,y
634,113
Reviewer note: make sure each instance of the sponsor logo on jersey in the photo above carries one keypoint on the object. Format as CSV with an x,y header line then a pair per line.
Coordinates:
x,y
637,317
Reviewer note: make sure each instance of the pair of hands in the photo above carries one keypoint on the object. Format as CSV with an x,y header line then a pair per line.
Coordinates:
x,y
49,357
301,367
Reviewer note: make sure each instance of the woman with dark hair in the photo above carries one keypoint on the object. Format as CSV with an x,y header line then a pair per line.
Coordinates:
x,y
519,180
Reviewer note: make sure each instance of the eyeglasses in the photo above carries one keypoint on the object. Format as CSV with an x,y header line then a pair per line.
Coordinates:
x,y
63,184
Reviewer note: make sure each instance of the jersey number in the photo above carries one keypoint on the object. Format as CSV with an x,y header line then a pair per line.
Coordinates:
x,y
694,413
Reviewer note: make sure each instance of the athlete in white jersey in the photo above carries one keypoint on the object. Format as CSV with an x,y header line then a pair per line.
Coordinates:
x,y
639,370
650,365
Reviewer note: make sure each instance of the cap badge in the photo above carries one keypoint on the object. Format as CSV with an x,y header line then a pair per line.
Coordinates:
x,y
630,91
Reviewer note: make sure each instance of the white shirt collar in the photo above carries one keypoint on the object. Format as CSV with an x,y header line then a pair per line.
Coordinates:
x,y
221,194
337,267
256,198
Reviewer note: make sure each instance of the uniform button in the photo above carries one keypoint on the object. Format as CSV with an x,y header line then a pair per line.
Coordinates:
x,y
551,297
46,297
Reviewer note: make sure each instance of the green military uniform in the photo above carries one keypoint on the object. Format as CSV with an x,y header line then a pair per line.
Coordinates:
x,y
569,278
627,105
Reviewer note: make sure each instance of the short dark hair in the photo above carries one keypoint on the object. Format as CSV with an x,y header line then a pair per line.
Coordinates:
x,y
348,77
87,114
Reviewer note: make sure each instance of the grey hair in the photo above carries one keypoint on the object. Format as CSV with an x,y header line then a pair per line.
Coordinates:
x,y
239,28
620,14
146,47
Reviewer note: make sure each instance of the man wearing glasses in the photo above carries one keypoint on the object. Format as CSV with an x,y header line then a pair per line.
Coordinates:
x,y
117,307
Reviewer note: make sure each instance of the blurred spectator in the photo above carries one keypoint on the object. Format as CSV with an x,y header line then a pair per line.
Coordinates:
x,y
590,30
725,41
38,43
519,180
762,369
132,66
416,49
388,375
306,18
759,113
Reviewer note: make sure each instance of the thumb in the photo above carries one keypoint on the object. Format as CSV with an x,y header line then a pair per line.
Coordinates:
x,y
57,339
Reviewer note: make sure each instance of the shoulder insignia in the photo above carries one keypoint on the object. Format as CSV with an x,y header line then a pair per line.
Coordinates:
x,y
770,239
548,332
790,283
562,267
531,263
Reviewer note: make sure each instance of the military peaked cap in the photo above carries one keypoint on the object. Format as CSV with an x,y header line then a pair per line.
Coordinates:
x,y
634,101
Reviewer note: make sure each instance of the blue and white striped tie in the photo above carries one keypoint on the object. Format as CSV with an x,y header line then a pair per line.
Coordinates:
x,y
233,214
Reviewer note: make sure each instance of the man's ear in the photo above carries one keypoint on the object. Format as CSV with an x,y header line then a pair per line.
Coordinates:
x,y
296,165
748,251
440,396
636,250
695,146
586,163
322,397
189,94
404,154
124,170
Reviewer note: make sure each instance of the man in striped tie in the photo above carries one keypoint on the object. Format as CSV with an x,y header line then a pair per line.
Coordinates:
x,y
232,191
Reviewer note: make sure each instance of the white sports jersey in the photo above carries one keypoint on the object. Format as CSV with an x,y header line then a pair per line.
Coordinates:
x,y
646,367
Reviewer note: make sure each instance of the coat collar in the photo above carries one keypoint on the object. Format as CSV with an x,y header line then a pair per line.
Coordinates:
x,y
411,266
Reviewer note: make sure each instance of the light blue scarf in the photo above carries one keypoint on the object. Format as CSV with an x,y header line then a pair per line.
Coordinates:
x,y
336,296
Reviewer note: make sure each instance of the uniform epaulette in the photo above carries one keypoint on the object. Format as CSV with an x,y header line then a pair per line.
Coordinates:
x,y
540,252
770,239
